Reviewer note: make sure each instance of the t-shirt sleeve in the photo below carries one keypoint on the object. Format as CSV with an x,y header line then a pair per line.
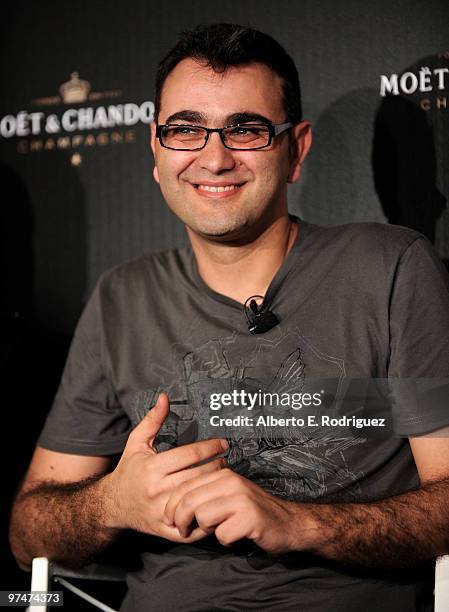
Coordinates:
x,y
86,417
419,341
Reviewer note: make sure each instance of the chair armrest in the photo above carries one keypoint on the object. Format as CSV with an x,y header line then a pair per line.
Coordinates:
x,y
41,573
442,584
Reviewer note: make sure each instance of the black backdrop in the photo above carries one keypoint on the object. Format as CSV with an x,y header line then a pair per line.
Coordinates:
x,y
77,202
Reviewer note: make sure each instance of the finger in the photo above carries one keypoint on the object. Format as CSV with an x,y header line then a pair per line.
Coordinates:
x,y
185,511
178,478
172,534
183,457
231,530
144,433
208,515
187,488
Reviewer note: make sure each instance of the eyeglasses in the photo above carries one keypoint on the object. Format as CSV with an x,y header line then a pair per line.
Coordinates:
x,y
245,137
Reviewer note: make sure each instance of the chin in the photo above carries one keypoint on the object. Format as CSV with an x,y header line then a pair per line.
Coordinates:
x,y
218,232
223,226
238,233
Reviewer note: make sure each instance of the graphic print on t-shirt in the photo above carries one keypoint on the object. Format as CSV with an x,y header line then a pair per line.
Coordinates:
x,y
302,463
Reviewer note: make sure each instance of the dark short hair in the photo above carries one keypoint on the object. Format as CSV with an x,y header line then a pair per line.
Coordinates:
x,y
222,45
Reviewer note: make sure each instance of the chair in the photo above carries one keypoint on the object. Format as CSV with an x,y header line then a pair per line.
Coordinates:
x,y
44,571
442,584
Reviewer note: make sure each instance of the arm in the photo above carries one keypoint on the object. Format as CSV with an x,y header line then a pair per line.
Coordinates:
x,y
399,531
395,532
69,510
59,510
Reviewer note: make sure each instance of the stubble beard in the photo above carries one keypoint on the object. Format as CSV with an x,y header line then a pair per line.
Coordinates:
x,y
220,230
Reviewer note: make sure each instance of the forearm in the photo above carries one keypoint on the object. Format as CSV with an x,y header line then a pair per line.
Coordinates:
x,y
66,522
395,532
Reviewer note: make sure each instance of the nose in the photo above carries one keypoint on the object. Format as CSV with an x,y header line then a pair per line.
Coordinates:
x,y
215,157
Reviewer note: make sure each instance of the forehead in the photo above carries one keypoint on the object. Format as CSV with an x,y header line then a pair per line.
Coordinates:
x,y
252,87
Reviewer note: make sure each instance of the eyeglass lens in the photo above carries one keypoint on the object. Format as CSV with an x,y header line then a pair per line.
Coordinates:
x,y
193,137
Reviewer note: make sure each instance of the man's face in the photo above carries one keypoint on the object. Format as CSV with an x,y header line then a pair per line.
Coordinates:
x,y
255,181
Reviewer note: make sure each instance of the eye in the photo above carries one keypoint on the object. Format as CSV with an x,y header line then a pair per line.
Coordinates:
x,y
185,134
241,130
185,129
256,135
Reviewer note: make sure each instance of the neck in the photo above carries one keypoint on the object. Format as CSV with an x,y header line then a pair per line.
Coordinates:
x,y
239,271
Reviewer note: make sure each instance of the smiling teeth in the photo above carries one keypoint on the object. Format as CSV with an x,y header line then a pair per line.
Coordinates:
x,y
217,189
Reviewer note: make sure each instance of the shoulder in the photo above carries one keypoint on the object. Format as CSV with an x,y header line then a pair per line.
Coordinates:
x,y
370,233
149,270
365,239
367,254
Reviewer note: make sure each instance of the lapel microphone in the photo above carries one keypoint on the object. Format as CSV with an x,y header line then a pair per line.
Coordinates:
x,y
259,319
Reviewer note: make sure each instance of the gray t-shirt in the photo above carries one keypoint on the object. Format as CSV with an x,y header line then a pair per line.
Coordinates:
x,y
355,302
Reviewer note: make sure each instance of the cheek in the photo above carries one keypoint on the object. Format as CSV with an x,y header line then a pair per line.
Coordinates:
x,y
171,165
272,167
259,167
272,174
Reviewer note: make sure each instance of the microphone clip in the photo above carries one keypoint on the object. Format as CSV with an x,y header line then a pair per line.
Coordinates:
x,y
258,319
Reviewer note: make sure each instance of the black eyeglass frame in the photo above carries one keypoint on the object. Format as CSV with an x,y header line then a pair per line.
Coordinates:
x,y
274,129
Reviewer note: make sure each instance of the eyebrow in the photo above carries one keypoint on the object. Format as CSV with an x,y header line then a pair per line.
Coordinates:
x,y
186,115
247,117
234,119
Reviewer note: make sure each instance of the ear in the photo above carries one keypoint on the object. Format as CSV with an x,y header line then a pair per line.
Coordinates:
x,y
300,143
153,148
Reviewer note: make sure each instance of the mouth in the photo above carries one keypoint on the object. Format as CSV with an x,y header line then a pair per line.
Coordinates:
x,y
210,190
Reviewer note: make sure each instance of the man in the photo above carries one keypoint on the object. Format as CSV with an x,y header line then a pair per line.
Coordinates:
x,y
284,522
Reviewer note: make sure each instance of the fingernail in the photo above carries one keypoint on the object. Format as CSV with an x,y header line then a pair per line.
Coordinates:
x,y
159,396
224,445
170,522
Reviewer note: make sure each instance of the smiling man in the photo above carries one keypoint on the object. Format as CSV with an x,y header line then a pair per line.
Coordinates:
x,y
237,183
230,187
312,519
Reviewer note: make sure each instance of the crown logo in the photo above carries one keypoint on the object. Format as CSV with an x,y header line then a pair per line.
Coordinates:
x,y
75,90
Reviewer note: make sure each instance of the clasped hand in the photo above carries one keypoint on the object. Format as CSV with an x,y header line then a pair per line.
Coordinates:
x,y
169,495
233,508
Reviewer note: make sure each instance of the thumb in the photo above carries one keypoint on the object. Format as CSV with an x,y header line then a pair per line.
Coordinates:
x,y
149,426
